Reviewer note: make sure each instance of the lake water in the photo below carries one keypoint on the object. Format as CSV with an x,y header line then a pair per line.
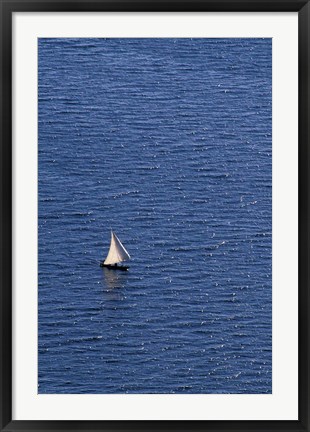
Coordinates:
x,y
168,142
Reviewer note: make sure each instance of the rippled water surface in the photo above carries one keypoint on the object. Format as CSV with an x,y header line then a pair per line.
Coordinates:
x,y
168,142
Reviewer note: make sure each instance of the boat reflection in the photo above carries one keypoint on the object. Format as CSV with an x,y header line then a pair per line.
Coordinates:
x,y
113,279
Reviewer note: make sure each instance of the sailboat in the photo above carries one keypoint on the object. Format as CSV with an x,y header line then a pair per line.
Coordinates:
x,y
117,253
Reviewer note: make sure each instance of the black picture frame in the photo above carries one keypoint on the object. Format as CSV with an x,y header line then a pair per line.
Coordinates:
x,y
8,7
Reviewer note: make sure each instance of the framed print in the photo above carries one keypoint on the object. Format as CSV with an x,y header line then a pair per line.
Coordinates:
x,y
154,215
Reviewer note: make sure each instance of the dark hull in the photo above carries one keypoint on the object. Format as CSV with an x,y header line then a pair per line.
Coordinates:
x,y
114,267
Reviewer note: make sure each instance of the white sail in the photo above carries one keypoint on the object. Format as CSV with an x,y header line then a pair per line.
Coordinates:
x,y
117,252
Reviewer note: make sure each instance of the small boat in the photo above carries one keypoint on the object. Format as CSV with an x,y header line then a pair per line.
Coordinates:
x,y
117,253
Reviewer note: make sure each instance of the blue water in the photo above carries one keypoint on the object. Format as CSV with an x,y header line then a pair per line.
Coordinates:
x,y
168,142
